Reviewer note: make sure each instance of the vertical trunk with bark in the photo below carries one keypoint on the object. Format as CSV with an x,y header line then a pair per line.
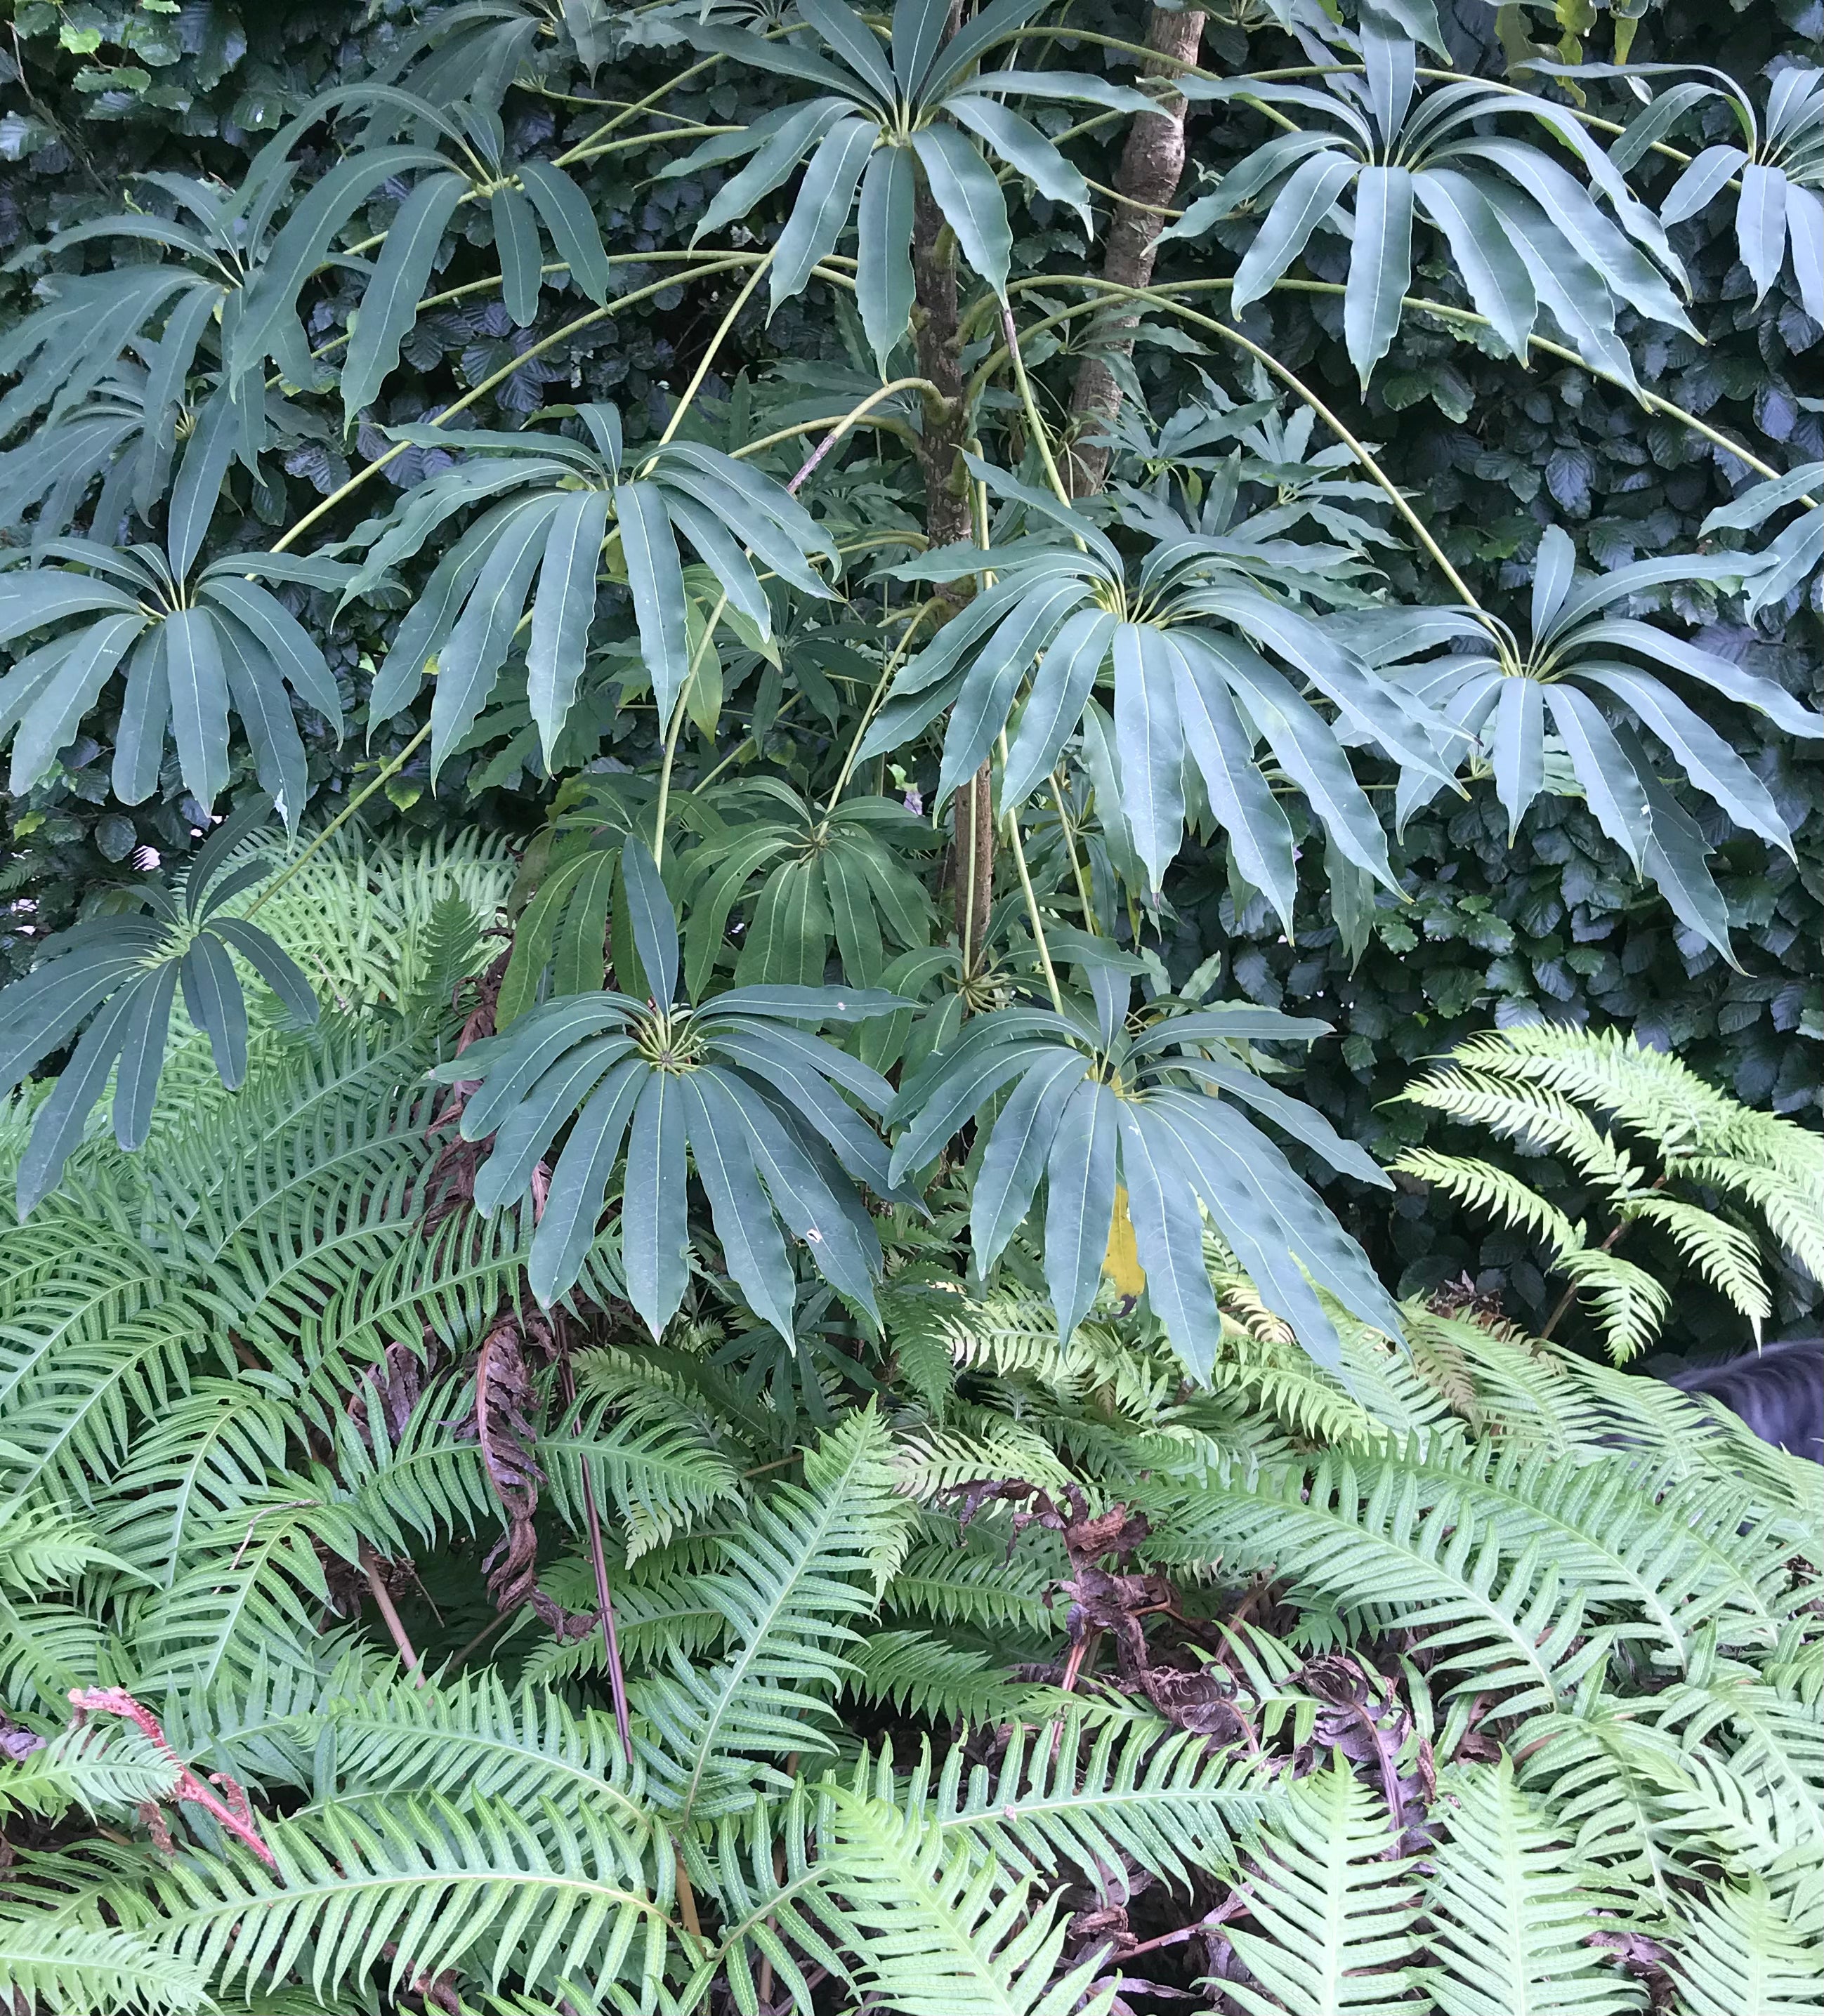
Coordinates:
x,y
1151,165
947,520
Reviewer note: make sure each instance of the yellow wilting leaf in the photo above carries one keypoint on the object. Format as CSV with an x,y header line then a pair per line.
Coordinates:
x,y
1121,1263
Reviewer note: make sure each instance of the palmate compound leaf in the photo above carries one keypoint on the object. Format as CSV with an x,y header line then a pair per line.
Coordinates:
x,y
190,651
1521,230
237,259
1573,678
1774,174
560,511
887,119
843,874
734,1082
528,201
840,874
1091,1110
125,436
1205,663
120,976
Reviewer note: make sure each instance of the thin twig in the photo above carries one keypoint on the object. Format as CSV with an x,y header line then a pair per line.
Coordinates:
x,y
394,1625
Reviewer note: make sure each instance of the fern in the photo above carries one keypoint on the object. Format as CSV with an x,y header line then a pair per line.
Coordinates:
x,y
934,1937
1071,1795
1363,1536
1509,1914
947,1577
811,1558
1741,1955
530,1750
1540,1083
431,1880
1333,1915
95,1768
234,1372
660,1464
921,1675
76,1968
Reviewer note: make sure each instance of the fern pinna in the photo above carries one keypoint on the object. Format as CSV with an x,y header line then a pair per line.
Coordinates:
x,y
984,1673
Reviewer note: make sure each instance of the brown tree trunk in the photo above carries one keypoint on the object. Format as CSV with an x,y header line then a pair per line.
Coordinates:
x,y
947,520
934,327
1151,165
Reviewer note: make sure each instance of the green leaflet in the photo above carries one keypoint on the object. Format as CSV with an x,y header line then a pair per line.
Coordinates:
x,y
883,280
570,224
1020,144
1519,751
653,1254
301,244
1298,209
1380,265
389,308
824,200
564,609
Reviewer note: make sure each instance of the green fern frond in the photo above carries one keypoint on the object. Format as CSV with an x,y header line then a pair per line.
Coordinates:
x,y
1360,1535
435,1882
1537,1119
936,1932
1628,1305
344,1097
660,1464
662,1615
361,919
209,1455
1684,1565
530,1749
1069,1795
1510,1912
1531,1083
74,1970
1333,1914
252,1587
985,1446
951,1581
1737,1954
1790,1199
1482,1187
1757,1829
919,1675
1605,1776
809,1561
99,1768
1723,1253
1646,1089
